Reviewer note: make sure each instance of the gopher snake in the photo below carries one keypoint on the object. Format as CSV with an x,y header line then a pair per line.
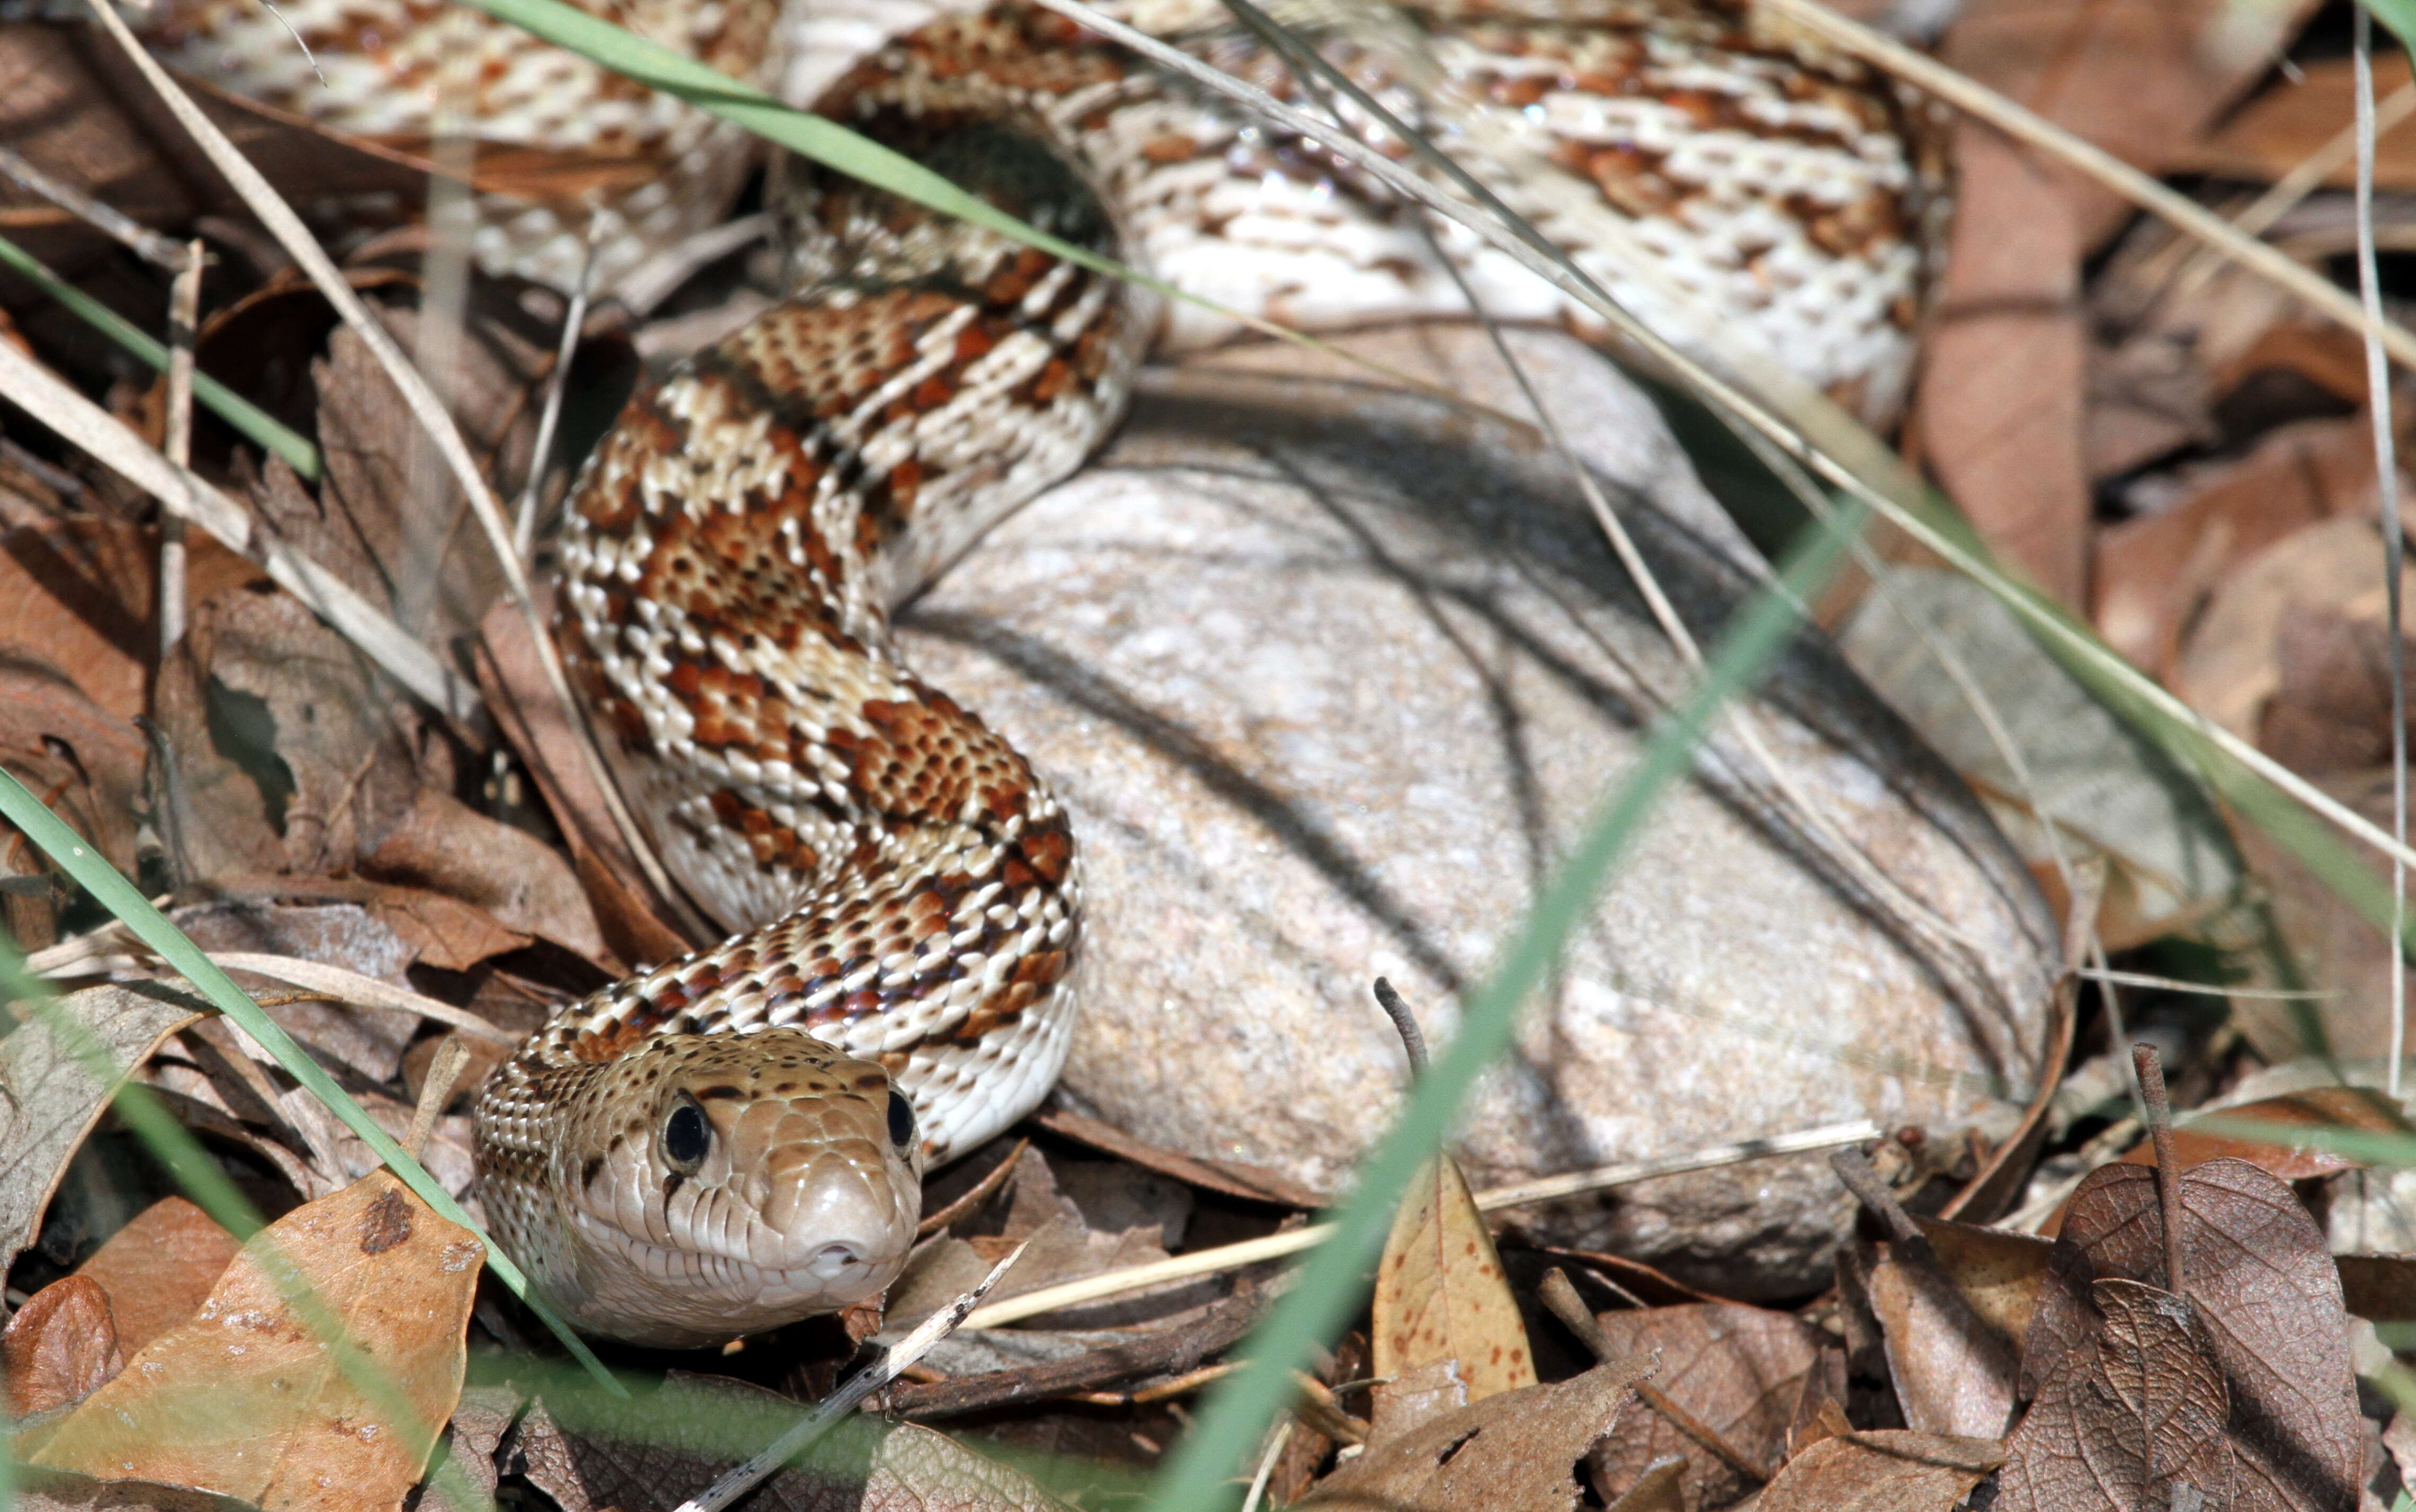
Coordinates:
x,y
714,1145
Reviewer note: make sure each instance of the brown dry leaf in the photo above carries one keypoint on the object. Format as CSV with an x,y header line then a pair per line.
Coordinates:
x,y
2284,127
1999,405
60,1347
158,1269
2001,410
1741,1371
1440,1294
53,1490
1952,1370
673,1444
443,846
1403,1403
81,761
2155,573
1996,1271
471,1439
1888,1470
511,676
51,1095
1660,1490
291,754
1515,1451
245,1399
2132,1416
2357,1108
2379,1288
2270,1300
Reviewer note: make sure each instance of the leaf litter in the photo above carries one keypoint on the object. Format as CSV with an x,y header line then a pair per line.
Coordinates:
x,y
2194,474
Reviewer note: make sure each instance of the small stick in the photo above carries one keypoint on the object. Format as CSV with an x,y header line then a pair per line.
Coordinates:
x,y
1276,1442
443,1071
140,240
1403,1019
839,1404
1562,1298
183,317
524,527
990,1183
2168,1172
1863,1179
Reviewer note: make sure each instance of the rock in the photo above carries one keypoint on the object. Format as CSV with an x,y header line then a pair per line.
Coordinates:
x,y
1331,673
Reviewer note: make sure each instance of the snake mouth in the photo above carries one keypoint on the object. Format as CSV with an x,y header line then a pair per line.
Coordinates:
x,y
741,1295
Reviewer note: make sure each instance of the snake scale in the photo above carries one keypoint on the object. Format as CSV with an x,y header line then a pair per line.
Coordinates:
x,y
735,1139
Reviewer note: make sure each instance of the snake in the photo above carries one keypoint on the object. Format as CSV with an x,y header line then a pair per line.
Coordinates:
x,y
735,1139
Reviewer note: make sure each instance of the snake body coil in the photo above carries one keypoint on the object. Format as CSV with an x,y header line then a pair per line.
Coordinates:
x,y
735,1139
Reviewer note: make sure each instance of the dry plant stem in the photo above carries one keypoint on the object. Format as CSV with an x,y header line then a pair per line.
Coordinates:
x,y
279,217
1293,1241
443,1071
1414,1041
84,424
2174,984
2386,498
996,1177
353,987
524,528
835,1409
184,318
1559,1295
2304,177
140,239
1275,1441
1863,1179
1562,1299
2168,1173
1983,103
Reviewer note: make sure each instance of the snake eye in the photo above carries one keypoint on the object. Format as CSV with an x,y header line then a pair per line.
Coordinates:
x,y
901,1120
687,1137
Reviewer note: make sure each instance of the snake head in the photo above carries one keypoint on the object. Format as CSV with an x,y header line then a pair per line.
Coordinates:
x,y
715,1185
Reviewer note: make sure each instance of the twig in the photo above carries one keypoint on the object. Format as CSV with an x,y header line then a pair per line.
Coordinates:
x,y
1216,1327
146,244
2168,1171
836,1408
2306,176
353,987
1275,1245
991,1181
1562,1299
1412,1040
2386,500
84,424
184,318
443,1071
2173,984
1275,1441
524,527
1863,1179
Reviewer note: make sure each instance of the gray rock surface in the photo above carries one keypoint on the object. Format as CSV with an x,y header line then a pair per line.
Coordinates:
x,y
1332,674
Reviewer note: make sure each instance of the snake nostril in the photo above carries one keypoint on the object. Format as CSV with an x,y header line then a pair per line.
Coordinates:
x,y
833,1260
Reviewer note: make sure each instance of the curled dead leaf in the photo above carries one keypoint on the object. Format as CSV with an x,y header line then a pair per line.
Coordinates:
x,y
1515,1451
245,1399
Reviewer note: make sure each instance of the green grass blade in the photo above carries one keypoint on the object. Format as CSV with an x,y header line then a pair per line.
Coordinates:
x,y
255,423
68,851
1330,1281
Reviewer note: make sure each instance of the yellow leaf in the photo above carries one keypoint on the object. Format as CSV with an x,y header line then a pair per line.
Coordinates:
x,y
1440,1294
